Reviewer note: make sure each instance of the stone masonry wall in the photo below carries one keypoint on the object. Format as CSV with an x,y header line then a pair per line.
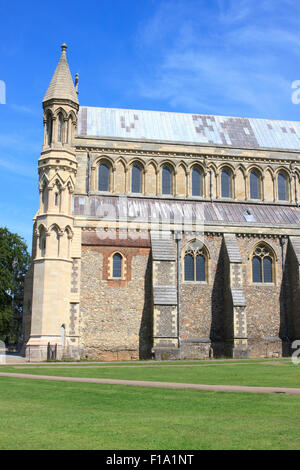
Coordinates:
x,y
265,302
201,306
116,315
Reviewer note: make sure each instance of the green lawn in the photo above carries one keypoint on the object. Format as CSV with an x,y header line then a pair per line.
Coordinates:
x,y
54,415
277,374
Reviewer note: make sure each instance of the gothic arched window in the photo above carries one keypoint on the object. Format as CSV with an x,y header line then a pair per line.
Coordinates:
x,y
196,182
225,183
282,187
262,264
49,129
254,185
166,180
195,263
117,265
136,179
103,177
60,128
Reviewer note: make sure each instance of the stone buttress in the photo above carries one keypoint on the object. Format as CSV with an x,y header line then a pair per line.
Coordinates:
x,y
235,303
164,282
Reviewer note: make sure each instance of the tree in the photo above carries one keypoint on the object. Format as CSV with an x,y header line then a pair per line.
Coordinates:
x,y
14,263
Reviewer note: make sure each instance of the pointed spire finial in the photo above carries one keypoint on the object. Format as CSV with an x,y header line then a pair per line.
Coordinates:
x,y
76,82
61,85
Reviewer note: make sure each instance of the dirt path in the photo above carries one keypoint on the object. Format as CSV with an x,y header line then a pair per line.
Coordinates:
x,y
140,383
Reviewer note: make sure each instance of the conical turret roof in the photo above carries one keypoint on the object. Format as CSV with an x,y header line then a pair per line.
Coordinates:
x,y
62,86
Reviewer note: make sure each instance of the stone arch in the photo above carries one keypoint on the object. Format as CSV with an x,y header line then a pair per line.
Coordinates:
x,y
48,127
151,178
120,176
66,240
269,185
42,234
181,180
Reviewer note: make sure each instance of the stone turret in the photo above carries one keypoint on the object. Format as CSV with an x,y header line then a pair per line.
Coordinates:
x,y
54,224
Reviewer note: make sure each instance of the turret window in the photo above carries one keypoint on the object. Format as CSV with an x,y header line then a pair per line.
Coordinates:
x,y
60,128
49,129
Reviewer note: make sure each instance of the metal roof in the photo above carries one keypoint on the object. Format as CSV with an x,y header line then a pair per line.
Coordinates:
x,y
189,128
172,211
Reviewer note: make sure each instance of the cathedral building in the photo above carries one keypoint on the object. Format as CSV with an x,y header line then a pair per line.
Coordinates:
x,y
162,235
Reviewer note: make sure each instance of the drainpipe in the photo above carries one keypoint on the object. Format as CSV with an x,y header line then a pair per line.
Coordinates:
x,y
178,238
286,330
88,174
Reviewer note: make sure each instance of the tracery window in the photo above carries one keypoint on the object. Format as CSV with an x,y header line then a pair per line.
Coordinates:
x,y
225,183
282,187
196,182
136,179
103,177
262,264
195,263
255,192
166,180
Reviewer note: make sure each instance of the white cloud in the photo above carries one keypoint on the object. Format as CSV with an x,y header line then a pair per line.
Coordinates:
x,y
206,55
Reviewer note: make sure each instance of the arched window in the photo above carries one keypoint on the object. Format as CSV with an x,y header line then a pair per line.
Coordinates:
x,y
136,179
60,128
254,185
262,264
282,187
45,197
195,262
103,177
57,194
42,241
49,129
225,183
117,265
68,124
166,182
196,182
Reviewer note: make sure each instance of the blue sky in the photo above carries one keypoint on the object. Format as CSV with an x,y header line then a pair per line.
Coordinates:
x,y
227,57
